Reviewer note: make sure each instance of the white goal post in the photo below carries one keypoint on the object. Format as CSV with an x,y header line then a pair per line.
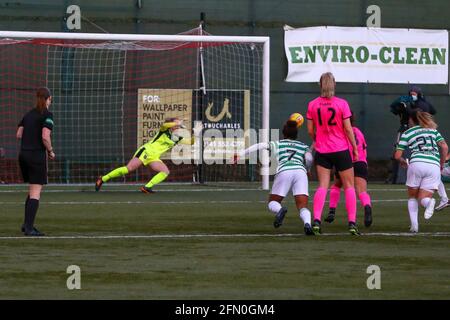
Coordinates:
x,y
262,41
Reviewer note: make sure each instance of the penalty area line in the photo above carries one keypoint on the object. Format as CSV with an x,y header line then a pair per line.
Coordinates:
x,y
236,235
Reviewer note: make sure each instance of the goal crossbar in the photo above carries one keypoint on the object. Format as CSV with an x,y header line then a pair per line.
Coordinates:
x,y
178,38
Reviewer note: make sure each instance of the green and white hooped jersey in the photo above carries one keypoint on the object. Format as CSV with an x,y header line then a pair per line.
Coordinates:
x,y
423,143
290,154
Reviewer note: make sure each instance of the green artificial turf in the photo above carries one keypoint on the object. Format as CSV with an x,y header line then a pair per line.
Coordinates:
x,y
214,242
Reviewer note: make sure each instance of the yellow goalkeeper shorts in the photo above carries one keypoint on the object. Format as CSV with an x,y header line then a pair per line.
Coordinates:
x,y
146,155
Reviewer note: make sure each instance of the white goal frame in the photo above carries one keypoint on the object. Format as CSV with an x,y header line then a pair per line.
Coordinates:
x,y
179,38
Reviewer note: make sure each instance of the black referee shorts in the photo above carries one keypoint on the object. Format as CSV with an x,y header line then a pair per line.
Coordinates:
x,y
33,165
340,160
360,169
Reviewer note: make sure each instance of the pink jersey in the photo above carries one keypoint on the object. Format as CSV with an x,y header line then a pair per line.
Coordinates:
x,y
361,144
328,115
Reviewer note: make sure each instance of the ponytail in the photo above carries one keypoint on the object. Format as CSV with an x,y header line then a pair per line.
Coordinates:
x,y
327,85
423,119
42,95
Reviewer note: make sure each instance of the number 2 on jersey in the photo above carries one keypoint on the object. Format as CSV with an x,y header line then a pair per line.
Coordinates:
x,y
331,121
422,141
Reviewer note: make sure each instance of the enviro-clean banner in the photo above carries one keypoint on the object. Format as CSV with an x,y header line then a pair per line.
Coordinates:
x,y
355,54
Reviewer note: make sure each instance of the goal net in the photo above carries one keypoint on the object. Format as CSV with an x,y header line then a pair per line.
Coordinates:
x,y
111,93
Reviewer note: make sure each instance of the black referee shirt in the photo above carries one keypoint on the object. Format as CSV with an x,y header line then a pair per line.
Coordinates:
x,y
32,124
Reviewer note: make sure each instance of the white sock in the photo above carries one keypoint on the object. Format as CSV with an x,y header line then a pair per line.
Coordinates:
x,y
424,202
413,209
305,215
274,206
442,192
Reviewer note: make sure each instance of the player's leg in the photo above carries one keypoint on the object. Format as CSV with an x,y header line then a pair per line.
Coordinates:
x,y
426,200
361,177
335,195
348,183
132,165
323,168
161,175
37,177
301,194
344,166
31,208
429,184
280,188
364,198
320,195
413,208
442,192
444,203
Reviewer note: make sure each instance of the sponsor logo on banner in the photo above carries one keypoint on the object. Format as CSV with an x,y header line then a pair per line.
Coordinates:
x,y
379,55
225,122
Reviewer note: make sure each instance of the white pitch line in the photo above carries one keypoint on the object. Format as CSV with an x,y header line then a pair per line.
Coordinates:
x,y
237,235
173,190
135,191
162,202
131,202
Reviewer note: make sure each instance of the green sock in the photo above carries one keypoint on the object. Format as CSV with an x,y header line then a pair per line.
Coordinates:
x,y
158,178
119,172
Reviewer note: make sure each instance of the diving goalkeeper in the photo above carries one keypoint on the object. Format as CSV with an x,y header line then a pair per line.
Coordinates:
x,y
148,155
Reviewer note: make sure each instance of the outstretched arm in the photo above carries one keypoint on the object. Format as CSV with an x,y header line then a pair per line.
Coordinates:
x,y
254,148
167,125
190,141
251,149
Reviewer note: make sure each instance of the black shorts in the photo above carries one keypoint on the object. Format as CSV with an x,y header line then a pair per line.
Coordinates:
x,y
360,170
340,160
33,165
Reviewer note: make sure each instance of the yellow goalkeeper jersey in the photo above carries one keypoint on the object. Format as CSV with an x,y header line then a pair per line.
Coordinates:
x,y
165,140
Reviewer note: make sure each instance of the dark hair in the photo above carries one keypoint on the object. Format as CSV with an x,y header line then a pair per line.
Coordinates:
x,y
290,130
42,95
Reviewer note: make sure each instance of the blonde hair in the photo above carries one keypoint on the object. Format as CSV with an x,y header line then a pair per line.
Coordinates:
x,y
424,119
327,85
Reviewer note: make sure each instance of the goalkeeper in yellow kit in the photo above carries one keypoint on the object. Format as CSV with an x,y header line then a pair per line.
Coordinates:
x,y
149,154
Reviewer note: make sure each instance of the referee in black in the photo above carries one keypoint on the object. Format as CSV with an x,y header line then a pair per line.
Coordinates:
x,y
34,131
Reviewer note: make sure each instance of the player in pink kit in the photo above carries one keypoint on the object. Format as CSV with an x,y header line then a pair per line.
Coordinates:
x,y
361,172
330,128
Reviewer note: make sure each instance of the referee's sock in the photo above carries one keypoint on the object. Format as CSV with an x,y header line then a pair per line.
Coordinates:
x,y
26,208
30,214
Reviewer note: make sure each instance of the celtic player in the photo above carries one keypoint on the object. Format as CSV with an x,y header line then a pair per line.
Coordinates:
x,y
445,202
428,155
149,155
293,159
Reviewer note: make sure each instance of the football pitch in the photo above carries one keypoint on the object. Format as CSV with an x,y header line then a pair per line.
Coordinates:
x,y
214,242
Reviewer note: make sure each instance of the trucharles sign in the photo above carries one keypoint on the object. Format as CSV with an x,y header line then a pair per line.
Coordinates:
x,y
355,54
